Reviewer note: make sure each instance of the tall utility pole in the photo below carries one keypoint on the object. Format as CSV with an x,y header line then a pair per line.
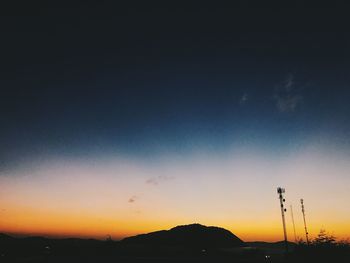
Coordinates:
x,y
280,192
291,212
303,210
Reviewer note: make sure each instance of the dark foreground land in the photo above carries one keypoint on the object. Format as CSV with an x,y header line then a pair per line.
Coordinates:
x,y
184,244
72,250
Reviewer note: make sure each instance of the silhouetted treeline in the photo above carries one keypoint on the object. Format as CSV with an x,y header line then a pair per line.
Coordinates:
x,y
324,248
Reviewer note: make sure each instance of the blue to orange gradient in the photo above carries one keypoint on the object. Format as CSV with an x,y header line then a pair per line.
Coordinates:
x,y
121,121
120,197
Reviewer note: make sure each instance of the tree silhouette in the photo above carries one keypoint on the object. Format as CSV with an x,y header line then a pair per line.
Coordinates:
x,y
324,239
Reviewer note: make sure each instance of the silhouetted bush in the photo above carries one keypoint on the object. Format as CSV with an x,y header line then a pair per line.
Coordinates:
x,y
324,248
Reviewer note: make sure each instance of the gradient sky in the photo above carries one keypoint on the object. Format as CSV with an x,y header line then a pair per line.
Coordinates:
x,y
121,120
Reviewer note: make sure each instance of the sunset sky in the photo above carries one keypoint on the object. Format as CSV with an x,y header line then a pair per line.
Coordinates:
x,y
119,120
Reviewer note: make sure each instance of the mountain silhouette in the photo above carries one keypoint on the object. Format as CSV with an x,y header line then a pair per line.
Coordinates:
x,y
194,235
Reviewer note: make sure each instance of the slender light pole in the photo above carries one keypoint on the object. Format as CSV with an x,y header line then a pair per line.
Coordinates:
x,y
303,211
280,192
291,212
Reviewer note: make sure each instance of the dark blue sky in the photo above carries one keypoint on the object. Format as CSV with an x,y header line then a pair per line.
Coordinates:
x,y
98,79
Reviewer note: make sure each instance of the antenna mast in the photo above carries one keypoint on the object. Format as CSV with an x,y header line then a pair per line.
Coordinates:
x,y
280,192
291,212
303,210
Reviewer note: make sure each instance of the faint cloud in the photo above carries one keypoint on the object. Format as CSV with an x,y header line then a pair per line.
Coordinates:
x,y
133,199
288,83
159,179
243,99
286,96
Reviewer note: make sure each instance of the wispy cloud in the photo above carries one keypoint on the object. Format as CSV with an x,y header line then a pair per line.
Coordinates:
x,y
133,199
243,99
158,179
286,96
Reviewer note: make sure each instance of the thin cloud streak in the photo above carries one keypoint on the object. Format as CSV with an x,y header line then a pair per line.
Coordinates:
x,y
132,199
243,99
286,97
158,179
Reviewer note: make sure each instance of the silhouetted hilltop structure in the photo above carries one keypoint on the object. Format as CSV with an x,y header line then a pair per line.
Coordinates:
x,y
194,235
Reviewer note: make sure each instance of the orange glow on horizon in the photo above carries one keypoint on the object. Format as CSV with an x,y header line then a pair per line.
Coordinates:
x,y
27,223
86,199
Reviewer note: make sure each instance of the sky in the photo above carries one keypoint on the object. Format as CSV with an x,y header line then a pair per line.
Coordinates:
x,y
119,120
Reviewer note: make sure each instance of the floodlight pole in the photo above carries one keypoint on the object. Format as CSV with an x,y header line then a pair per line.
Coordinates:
x,y
303,211
280,192
291,212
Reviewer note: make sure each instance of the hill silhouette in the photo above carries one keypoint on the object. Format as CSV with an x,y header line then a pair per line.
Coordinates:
x,y
193,235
